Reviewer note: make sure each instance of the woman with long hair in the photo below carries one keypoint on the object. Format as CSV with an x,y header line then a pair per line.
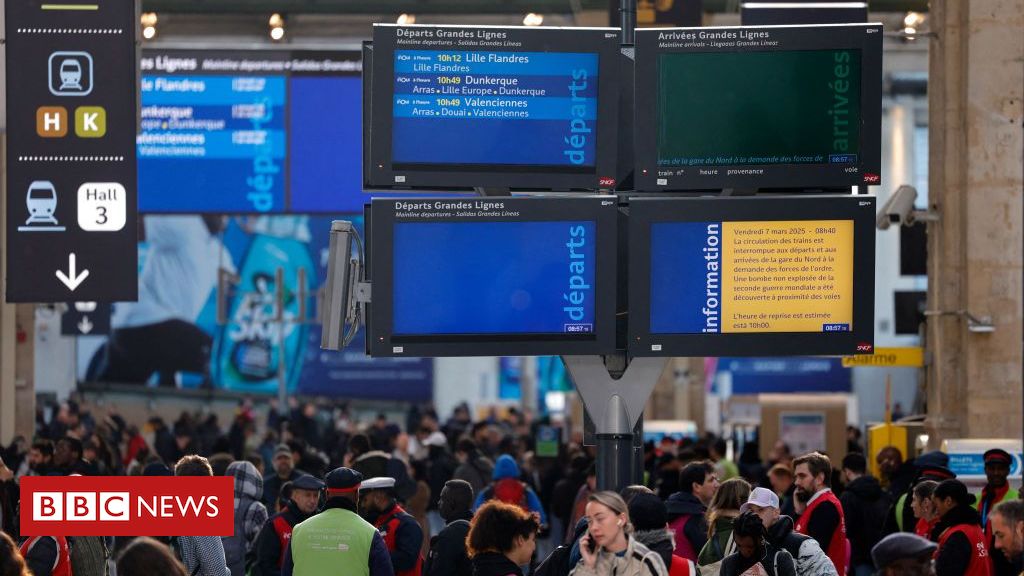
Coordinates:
x,y
725,507
608,548
502,538
11,562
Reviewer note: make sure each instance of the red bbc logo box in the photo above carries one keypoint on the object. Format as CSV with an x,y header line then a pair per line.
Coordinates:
x,y
127,506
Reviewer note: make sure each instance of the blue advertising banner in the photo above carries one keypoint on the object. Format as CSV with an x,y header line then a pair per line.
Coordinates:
x,y
780,375
171,337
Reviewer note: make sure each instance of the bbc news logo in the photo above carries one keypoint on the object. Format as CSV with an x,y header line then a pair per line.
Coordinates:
x,y
127,506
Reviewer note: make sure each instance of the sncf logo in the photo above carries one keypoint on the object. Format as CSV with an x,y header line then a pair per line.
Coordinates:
x,y
865,347
606,182
870,178
127,506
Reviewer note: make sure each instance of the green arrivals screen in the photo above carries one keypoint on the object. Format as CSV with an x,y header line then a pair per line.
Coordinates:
x,y
759,108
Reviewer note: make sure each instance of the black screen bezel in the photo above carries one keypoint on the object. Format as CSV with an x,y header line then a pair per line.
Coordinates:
x,y
645,211
381,173
864,37
380,230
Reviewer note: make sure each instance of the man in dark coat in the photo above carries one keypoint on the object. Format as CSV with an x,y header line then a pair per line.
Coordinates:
x,y
448,549
273,538
865,506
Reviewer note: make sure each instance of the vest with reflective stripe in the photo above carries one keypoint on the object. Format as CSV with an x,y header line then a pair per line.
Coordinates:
x,y
335,541
62,565
981,564
836,552
388,527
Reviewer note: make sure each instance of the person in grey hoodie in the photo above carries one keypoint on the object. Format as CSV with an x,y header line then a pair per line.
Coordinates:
x,y
250,515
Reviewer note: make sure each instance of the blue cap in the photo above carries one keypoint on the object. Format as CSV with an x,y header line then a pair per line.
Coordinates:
x,y
343,480
307,482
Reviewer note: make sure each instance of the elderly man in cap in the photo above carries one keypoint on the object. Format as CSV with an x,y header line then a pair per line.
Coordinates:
x,y
806,552
997,469
276,533
1008,529
337,540
904,554
284,471
401,532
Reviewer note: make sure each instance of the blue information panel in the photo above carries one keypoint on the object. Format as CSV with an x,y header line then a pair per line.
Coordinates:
x,y
493,107
529,277
250,132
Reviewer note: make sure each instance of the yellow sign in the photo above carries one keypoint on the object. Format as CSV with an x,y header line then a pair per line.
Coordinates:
x,y
887,358
787,276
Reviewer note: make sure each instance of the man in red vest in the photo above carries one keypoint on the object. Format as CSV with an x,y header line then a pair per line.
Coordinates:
x,y
402,534
963,548
273,538
822,517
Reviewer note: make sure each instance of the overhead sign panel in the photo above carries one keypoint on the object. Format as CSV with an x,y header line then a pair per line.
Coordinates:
x,y
725,276
71,120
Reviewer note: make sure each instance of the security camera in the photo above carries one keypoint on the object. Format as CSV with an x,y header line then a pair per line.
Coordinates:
x,y
899,209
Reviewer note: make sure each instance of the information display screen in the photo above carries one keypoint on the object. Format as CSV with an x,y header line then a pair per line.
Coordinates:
x,y
780,276
769,107
250,131
482,276
464,107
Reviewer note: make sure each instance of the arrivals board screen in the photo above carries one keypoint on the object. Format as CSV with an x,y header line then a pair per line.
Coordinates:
x,y
486,106
752,276
483,276
250,131
759,107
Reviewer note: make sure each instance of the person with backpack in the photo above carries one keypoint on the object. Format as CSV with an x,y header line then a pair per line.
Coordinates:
x,y
865,507
447,555
686,508
608,548
250,515
273,538
508,488
201,555
725,507
401,532
650,528
810,559
754,556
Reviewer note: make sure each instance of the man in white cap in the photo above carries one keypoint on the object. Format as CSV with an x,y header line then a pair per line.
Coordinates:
x,y
401,532
810,558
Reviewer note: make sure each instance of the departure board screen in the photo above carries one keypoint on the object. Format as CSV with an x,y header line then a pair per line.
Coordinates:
x,y
465,107
790,108
491,276
520,108
742,108
735,276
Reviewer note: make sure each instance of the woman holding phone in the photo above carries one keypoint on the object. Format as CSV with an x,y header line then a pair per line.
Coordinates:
x,y
608,548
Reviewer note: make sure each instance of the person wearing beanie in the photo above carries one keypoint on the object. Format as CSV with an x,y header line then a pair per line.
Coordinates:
x,y
649,518
448,549
963,550
997,469
337,541
508,488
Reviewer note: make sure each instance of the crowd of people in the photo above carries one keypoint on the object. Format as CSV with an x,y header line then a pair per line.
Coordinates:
x,y
316,492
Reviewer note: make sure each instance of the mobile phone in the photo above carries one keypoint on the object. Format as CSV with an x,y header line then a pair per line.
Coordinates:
x,y
591,543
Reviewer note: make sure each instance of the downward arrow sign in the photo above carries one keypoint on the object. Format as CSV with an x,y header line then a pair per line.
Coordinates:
x,y
71,279
85,326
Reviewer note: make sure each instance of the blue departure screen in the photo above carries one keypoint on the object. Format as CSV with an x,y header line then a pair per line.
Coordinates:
x,y
234,125
494,278
495,108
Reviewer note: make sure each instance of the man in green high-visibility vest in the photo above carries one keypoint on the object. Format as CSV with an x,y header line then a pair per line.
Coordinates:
x,y
337,540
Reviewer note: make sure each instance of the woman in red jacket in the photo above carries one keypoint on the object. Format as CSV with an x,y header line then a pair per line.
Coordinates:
x,y
962,547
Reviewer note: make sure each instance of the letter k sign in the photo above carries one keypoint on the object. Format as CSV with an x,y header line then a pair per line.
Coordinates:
x,y
90,122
